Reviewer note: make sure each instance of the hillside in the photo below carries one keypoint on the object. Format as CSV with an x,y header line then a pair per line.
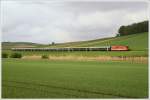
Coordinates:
x,y
9,45
135,42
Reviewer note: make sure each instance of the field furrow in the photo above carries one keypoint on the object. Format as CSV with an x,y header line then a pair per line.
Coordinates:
x,y
44,88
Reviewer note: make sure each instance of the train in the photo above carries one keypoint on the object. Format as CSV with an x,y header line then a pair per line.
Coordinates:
x,y
101,48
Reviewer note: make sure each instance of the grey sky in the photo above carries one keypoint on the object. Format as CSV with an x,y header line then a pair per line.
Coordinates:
x,y
43,21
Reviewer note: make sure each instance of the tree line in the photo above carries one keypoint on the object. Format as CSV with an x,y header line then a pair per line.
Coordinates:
x,y
133,28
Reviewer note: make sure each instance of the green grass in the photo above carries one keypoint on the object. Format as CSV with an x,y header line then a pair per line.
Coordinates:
x,y
73,79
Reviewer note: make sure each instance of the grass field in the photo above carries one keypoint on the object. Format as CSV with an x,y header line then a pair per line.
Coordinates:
x,y
73,79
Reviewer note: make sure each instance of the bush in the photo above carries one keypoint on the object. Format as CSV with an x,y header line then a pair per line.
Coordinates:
x,y
4,55
16,55
44,57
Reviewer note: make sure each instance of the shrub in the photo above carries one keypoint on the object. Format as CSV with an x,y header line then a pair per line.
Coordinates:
x,y
44,57
4,55
16,55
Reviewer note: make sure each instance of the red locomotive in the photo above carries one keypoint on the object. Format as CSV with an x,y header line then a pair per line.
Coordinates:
x,y
119,48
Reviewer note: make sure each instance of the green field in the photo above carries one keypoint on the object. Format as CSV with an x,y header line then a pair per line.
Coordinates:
x,y
73,79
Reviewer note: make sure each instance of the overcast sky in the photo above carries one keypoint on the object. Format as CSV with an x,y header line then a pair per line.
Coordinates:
x,y
45,21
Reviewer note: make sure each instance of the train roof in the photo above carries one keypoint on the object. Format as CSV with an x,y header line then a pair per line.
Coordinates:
x,y
64,47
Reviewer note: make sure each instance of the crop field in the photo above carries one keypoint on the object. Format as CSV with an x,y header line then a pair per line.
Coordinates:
x,y
73,79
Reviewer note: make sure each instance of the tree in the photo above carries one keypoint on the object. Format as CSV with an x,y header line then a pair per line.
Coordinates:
x,y
121,30
134,28
53,43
